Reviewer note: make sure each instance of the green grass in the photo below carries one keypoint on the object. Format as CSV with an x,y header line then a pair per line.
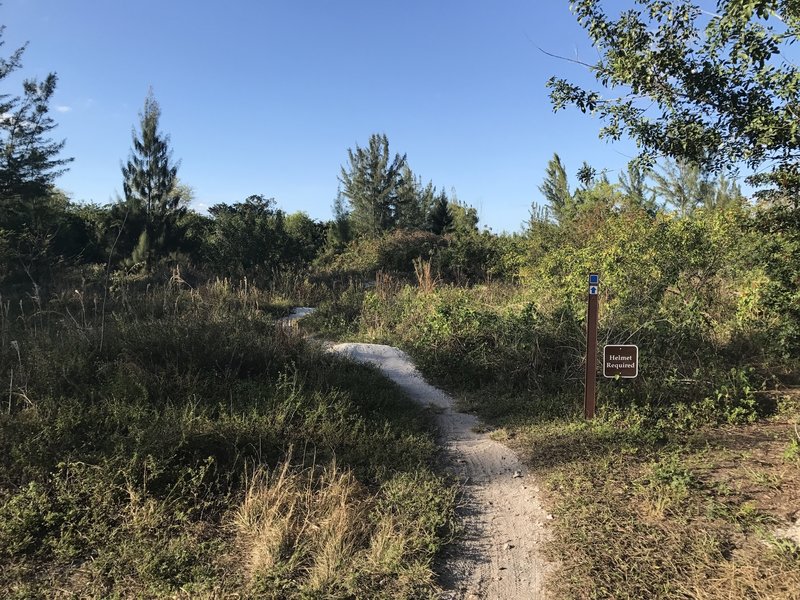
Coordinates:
x,y
132,468
666,520
673,491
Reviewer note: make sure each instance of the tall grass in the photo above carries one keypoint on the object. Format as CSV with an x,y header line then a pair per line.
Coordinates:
x,y
319,529
178,457
646,502
501,341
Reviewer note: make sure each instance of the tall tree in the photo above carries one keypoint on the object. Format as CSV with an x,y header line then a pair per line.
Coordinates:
x,y
465,217
248,238
683,186
339,232
34,216
153,197
29,159
726,193
634,188
539,213
414,200
555,188
370,185
305,237
440,215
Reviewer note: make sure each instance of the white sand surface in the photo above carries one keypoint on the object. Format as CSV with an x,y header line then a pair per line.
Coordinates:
x,y
499,556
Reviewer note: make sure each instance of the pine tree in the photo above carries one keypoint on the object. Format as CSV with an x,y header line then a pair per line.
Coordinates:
x,y
339,233
726,193
683,185
33,214
633,185
465,217
29,160
413,200
371,184
440,216
153,197
555,188
539,213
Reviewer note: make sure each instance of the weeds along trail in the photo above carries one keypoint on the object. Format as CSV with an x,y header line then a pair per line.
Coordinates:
x,y
205,453
500,554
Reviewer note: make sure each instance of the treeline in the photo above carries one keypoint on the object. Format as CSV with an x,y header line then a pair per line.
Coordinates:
x,y
44,234
384,215
386,218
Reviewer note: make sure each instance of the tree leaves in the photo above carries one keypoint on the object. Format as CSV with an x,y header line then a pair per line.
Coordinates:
x,y
29,161
153,197
715,89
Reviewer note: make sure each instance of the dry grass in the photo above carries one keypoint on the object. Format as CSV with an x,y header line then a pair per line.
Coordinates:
x,y
386,286
317,531
425,279
302,521
758,573
695,518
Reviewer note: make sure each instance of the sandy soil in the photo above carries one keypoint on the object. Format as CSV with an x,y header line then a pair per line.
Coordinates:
x,y
504,524
499,555
792,532
294,316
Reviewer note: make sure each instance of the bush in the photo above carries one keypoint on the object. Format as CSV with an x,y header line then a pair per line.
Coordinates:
x,y
689,292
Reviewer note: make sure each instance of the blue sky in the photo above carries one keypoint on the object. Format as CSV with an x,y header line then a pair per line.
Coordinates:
x,y
266,97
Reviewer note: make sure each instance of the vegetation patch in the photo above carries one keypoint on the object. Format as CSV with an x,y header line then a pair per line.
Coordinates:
x,y
184,443
695,516
161,436
680,487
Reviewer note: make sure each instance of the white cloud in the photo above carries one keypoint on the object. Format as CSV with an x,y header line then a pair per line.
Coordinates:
x,y
63,109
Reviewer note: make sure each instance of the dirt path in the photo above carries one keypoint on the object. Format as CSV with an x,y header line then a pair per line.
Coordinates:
x,y
504,523
499,557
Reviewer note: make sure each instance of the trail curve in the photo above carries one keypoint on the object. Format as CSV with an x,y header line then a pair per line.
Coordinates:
x,y
499,556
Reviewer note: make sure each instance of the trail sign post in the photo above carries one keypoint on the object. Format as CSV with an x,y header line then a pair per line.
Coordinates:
x,y
621,361
591,347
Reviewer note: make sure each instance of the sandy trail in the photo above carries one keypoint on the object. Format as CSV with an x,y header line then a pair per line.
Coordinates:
x,y
504,524
499,556
293,317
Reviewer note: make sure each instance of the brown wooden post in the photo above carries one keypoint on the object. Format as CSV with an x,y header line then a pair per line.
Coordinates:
x,y
591,347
